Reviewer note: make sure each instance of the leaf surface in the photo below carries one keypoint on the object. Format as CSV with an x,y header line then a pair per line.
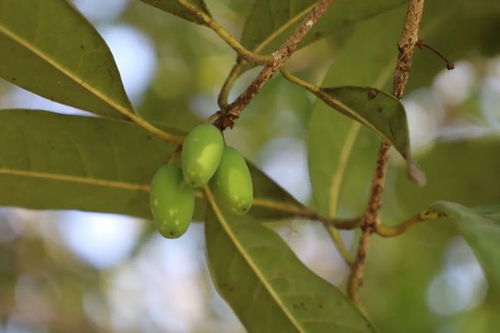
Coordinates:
x,y
51,50
267,286
54,161
342,152
455,169
271,21
480,226
381,112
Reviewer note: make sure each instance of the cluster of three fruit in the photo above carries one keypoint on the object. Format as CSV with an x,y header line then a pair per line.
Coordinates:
x,y
204,159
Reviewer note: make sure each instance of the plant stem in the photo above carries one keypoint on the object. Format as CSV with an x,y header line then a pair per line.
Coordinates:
x,y
238,67
371,220
298,81
228,83
427,215
346,224
233,110
209,22
167,137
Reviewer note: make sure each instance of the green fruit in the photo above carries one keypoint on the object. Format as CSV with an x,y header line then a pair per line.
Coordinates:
x,y
171,201
201,154
232,183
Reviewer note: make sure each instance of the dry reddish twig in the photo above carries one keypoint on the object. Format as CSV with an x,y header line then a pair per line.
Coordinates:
x,y
406,47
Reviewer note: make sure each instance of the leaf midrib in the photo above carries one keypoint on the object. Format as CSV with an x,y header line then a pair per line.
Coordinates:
x,y
338,176
76,179
229,231
120,185
69,74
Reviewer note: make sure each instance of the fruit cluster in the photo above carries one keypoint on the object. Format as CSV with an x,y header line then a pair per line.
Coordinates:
x,y
204,159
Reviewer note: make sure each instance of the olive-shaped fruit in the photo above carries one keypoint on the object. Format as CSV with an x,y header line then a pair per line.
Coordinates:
x,y
232,183
171,201
201,154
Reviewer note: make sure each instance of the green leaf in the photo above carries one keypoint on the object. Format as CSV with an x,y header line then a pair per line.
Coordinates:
x,y
341,152
50,49
267,286
381,112
175,8
271,21
54,161
480,226
455,169
341,155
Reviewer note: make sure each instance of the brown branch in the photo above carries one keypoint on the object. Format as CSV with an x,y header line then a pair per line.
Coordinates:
x,y
406,46
232,112
371,220
358,267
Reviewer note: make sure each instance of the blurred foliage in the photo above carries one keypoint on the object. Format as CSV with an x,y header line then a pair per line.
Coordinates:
x,y
46,286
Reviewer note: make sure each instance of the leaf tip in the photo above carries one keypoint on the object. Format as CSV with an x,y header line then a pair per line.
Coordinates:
x,y
416,174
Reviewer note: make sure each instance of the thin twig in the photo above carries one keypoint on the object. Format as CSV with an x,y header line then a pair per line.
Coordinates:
x,y
299,82
238,67
346,224
449,65
228,83
387,231
406,48
233,110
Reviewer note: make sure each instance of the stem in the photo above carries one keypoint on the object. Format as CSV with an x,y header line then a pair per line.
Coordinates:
x,y
228,83
232,112
449,65
298,81
358,267
237,68
225,35
155,130
386,231
346,224
371,220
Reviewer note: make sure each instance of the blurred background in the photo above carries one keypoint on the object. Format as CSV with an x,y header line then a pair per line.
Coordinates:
x,y
72,271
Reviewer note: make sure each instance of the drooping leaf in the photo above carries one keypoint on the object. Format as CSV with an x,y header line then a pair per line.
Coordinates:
x,y
267,286
50,49
381,112
480,226
54,161
271,21
177,9
341,152
341,156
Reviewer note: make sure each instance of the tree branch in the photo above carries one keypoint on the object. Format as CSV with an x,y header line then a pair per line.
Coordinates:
x,y
371,220
232,112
